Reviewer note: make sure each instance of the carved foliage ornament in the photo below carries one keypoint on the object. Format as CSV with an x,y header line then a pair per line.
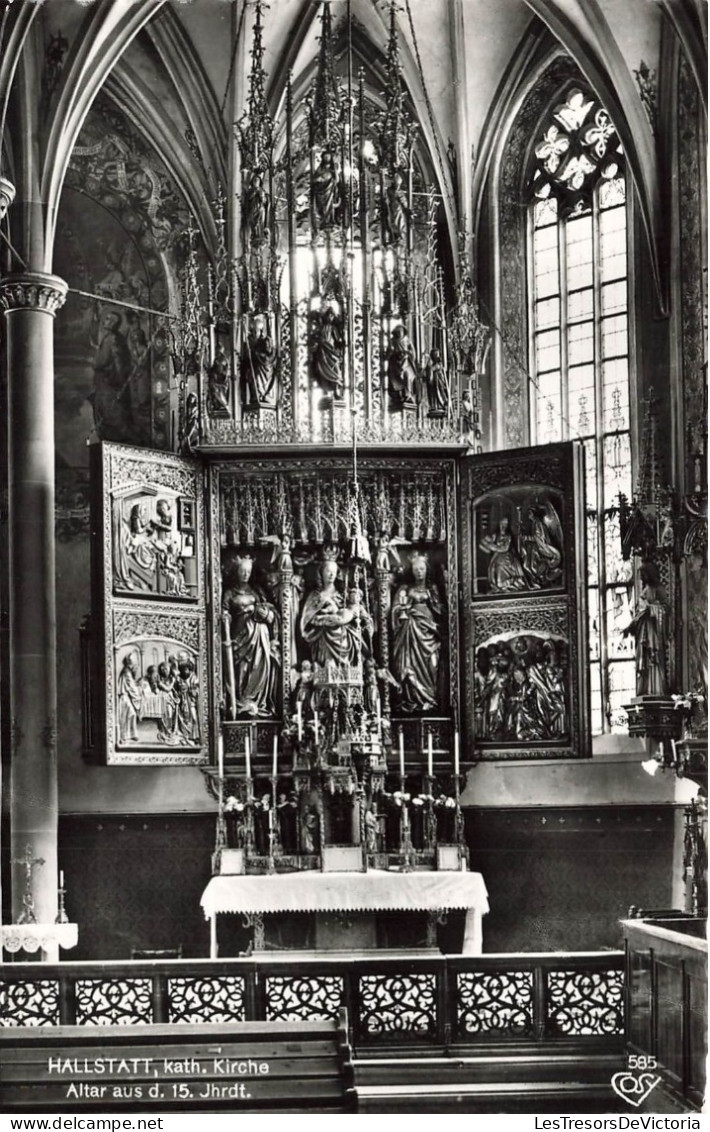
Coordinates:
x,y
35,291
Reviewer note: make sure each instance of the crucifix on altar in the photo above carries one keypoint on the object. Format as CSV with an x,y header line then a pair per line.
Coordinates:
x,y
29,863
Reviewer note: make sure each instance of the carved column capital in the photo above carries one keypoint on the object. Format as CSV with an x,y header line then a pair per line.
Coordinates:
x,y
32,291
7,196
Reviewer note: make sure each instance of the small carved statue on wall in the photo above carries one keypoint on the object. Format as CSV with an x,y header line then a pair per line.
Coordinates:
x,y
395,212
417,637
650,629
310,830
325,193
218,384
328,352
258,370
401,367
437,384
250,624
255,215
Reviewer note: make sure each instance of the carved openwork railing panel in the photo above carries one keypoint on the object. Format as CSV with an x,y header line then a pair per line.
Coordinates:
x,y
213,998
306,998
111,1002
585,1002
442,999
29,1002
495,1005
398,1003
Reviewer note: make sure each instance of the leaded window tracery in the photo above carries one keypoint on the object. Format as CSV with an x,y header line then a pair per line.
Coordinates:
x,y
580,355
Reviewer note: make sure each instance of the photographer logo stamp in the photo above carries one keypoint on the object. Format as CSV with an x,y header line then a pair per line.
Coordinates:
x,y
636,1082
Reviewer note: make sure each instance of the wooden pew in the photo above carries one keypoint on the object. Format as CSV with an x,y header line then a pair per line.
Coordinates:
x,y
239,1067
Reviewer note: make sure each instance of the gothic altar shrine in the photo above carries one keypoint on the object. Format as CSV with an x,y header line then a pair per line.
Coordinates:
x,y
332,601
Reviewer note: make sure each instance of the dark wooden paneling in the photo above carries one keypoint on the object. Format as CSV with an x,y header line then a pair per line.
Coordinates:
x,y
562,878
136,882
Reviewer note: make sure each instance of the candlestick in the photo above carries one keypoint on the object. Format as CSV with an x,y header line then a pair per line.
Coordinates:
x,y
430,752
220,756
299,722
401,752
456,753
275,761
315,725
247,755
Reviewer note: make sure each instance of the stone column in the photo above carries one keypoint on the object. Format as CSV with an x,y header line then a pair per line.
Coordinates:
x,y
30,302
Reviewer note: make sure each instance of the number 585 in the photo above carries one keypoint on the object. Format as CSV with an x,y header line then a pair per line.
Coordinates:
x,y
641,1061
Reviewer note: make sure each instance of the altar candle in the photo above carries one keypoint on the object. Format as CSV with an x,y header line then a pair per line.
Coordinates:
x,y
401,753
675,753
456,753
247,755
61,878
299,721
275,761
315,725
220,756
430,751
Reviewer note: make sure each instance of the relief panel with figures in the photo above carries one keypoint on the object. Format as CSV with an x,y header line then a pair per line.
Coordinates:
x,y
523,564
152,630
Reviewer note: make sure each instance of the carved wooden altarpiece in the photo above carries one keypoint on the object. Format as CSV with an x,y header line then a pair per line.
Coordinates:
x,y
524,607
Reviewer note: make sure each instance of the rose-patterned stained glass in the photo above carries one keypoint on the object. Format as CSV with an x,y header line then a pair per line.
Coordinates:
x,y
575,149
585,179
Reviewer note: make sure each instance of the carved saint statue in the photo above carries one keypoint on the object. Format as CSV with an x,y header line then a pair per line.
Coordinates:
x,y
417,620
218,383
401,367
322,616
436,383
255,215
395,211
650,628
250,624
328,352
258,370
505,570
325,193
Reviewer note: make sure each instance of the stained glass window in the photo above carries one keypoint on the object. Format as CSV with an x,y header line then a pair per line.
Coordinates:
x,y
579,360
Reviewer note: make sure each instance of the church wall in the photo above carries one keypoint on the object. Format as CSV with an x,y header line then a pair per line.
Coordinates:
x,y
560,878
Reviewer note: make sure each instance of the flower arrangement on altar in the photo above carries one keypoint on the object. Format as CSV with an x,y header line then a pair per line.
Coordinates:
x,y
232,805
